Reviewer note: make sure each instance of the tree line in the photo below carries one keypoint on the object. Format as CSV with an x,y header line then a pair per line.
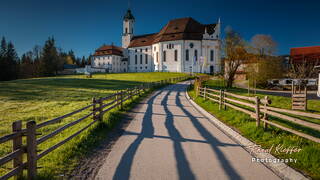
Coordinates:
x,y
46,60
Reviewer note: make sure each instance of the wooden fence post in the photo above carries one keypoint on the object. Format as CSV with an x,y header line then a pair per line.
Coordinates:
x,y
100,109
257,109
31,150
17,144
94,109
121,98
265,116
205,91
224,100
220,100
306,98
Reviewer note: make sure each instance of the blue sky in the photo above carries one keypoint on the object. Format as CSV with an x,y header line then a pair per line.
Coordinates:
x,y
84,25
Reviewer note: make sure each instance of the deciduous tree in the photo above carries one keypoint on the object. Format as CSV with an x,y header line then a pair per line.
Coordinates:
x,y
235,54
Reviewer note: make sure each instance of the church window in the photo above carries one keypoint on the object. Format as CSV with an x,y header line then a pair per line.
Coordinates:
x,y
126,31
157,57
135,50
164,56
187,54
176,55
211,55
191,45
135,59
155,48
196,55
146,49
146,58
140,50
140,58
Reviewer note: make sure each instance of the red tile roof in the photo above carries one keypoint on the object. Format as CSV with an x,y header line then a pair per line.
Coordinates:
x,y
304,50
176,29
309,54
109,50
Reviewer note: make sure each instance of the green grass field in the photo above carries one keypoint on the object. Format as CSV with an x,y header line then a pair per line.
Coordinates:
x,y
42,99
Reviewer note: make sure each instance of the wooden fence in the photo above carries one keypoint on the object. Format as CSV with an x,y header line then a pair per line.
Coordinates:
x,y
260,110
99,107
299,99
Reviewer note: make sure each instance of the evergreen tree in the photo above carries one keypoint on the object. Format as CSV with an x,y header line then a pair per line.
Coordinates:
x,y
12,62
83,61
49,59
3,50
89,60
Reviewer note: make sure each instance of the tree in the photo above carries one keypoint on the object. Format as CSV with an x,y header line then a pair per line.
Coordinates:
x,y
89,59
72,57
235,54
263,64
3,51
8,61
83,61
263,45
261,70
49,59
305,68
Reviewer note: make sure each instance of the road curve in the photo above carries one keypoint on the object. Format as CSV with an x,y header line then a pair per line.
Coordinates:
x,y
169,139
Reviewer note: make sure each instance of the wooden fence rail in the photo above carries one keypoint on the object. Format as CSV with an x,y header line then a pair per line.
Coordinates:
x,y
99,108
259,109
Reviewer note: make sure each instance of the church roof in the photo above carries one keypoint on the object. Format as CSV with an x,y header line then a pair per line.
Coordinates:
x,y
128,15
176,29
109,50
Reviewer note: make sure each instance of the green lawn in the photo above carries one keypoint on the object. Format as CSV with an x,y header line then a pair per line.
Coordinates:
x,y
307,159
42,99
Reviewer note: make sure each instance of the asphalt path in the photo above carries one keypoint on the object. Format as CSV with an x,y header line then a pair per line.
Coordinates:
x,y
169,139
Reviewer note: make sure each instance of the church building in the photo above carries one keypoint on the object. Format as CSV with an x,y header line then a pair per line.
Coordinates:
x,y
182,45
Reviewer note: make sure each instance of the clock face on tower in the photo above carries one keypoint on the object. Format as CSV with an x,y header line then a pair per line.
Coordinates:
x,y
191,45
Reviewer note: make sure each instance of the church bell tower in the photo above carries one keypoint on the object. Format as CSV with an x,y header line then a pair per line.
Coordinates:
x,y
127,33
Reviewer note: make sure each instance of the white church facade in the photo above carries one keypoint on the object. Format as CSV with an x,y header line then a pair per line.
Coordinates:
x,y
182,45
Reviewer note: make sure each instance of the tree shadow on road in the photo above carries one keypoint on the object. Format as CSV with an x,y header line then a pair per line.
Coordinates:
x,y
215,143
183,167
124,167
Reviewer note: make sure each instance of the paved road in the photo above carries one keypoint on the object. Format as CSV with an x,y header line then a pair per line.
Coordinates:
x,y
169,139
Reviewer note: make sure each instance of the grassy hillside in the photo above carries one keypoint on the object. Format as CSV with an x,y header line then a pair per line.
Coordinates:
x,y
42,99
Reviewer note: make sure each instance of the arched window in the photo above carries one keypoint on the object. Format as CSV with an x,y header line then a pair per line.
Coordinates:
x,y
164,56
126,31
211,55
146,58
187,54
157,56
140,58
135,59
195,55
176,55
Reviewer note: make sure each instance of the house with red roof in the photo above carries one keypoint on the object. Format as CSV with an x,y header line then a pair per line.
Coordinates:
x,y
308,54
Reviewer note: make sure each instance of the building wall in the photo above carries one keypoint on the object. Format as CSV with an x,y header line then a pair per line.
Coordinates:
x,y
113,63
157,61
144,62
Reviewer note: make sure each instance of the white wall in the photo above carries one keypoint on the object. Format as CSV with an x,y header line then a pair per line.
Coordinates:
x,y
112,62
142,65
